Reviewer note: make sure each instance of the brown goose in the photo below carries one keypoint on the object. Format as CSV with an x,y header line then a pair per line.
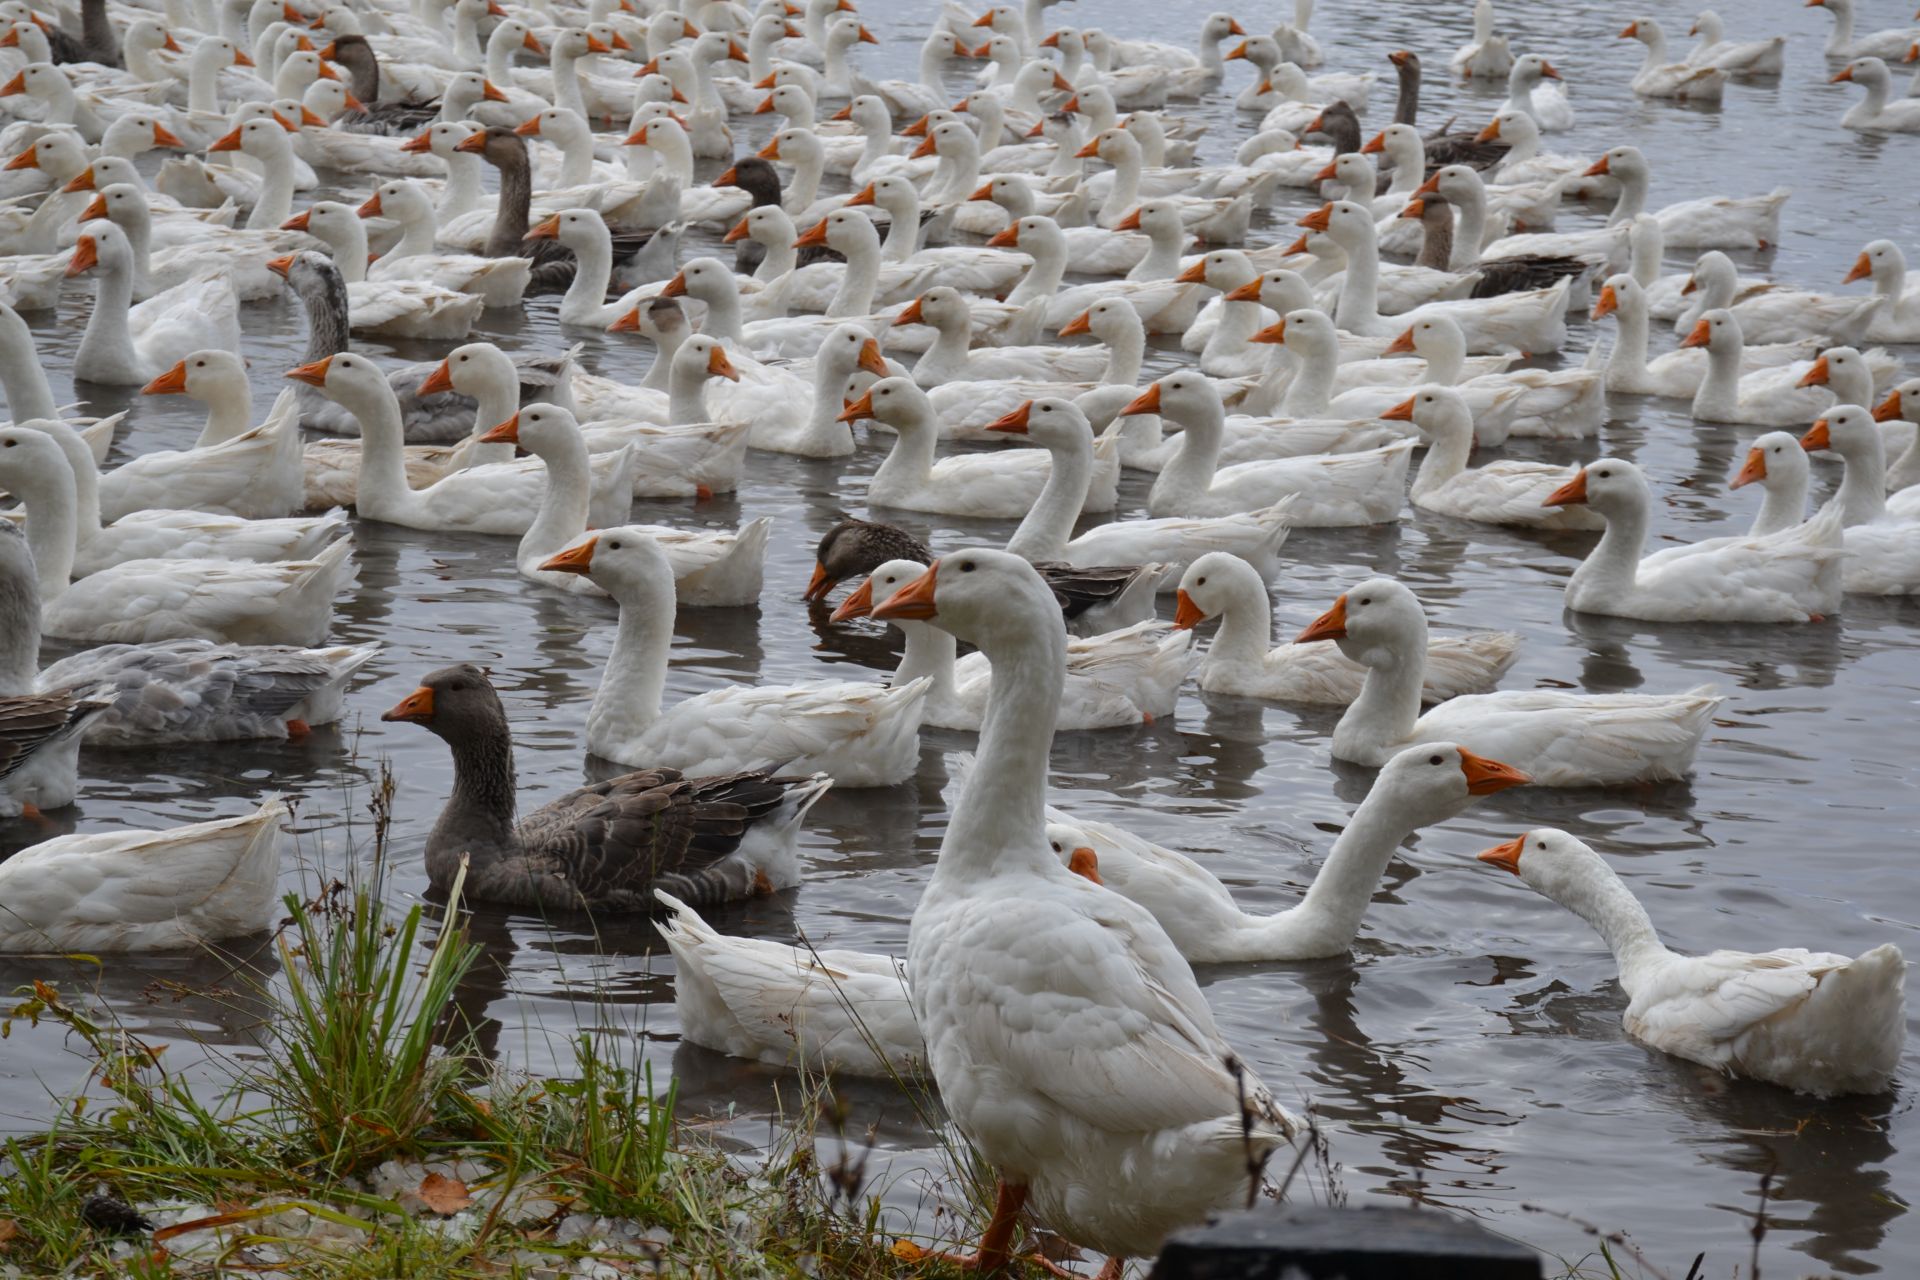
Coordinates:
x,y
553,263
603,847
1093,600
1443,146
1495,276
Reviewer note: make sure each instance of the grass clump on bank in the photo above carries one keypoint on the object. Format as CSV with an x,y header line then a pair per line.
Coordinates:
x,y
373,1138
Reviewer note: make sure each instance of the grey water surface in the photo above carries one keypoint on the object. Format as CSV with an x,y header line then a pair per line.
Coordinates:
x,y
1469,1053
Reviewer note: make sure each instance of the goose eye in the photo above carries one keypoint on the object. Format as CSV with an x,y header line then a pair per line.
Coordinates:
x,y
967,566
1200,582
1435,759
613,546
1539,844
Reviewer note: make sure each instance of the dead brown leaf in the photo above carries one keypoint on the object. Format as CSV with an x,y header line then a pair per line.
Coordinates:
x,y
445,1196
9,1229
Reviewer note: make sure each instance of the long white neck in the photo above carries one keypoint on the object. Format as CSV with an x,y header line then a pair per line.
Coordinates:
x,y
1045,530
417,236
42,233
1721,387
564,503
1389,701
203,80
593,270
1126,352
1164,240
1656,41
383,492
496,399
686,393
1125,192
946,358
86,478
1630,338
29,394
229,404
275,204
667,343
1276,379
53,530
929,652
780,257
1328,917
1617,916
958,172
1633,196
1863,485
576,157
999,822
760,42
1448,448
1877,89
804,188
1043,278
910,462
500,50
723,313
108,341
903,228
1358,309
466,36
462,192
1470,226
1311,392
861,279
349,243
675,151
1613,565
566,81
1246,623
1840,41
823,428
636,676
1784,502
1482,22
1239,321
1190,473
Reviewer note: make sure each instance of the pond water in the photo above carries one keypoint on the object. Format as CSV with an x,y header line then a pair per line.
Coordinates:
x,y
1469,1053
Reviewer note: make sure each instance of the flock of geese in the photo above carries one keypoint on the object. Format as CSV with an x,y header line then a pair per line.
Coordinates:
x,y
1047,987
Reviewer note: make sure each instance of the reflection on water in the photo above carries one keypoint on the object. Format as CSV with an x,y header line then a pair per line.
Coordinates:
x,y
1470,1052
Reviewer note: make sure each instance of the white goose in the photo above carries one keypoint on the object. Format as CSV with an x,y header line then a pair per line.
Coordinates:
x,y
135,601
179,888
1567,739
1811,1021
1658,78
950,358
1678,374
1529,92
393,307
1488,56
126,345
1737,57
415,256
1712,222
1883,550
1118,1167
1364,487
1773,313
1793,576
1767,397
1507,491
1116,679
1556,403
1239,661
1898,319
1843,43
859,733
1879,111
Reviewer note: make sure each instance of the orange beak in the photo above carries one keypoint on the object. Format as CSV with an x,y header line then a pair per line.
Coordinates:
x,y
771,151
529,128
533,45
1330,625
1862,268
1330,171
171,45
918,129
1131,222
1889,410
1817,437
813,235
984,193
864,196
1817,375
726,179
82,181
1234,28
866,37
1008,237
676,287
1195,274
925,149
1402,345
1319,220
491,92
416,707
1505,856
86,256
1598,169
1845,74
1484,776
1298,246
575,559
1060,83
1014,422
1248,292
766,107
473,143
1702,334
1572,493
418,145
371,209
1052,41
861,408
310,117
1415,209
171,383
1549,71
28,159
163,136
596,45
280,266
1039,129
1402,412
1431,187
1085,863
820,584
227,142
628,323
1082,323
1092,149
1689,287
314,375
718,366
872,361
439,381
96,208
1608,304
1147,401
507,432
1629,31
915,600
858,604
1489,134
1187,614
1376,144
739,232
327,73
1071,105
547,229
16,85
1239,51
912,314
1755,469
1274,335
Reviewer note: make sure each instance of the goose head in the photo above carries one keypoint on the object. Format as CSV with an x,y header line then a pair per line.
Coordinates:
x,y
1440,412
847,348
1902,402
768,224
854,547
517,35
1844,372
791,101
1188,397
1878,260
1647,31
1773,460
42,81
351,381
1280,290
1115,146
1107,320
1713,274
1348,225
62,156
1718,331
202,375
575,228
948,138
896,401
719,46
1095,103
457,703
1870,73
850,232
1554,864
1611,486
1035,235
1308,331
626,561
800,148
102,246
1849,430
1376,623
1435,336
1625,163
1262,51
122,203
1620,293
402,200
991,599
1515,128
1530,69
137,132
263,138
542,429
329,220
1049,421
878,587
475,369
327,99
1352,170
1210,585
701,357
1159,218
846,32
443,139
562,126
